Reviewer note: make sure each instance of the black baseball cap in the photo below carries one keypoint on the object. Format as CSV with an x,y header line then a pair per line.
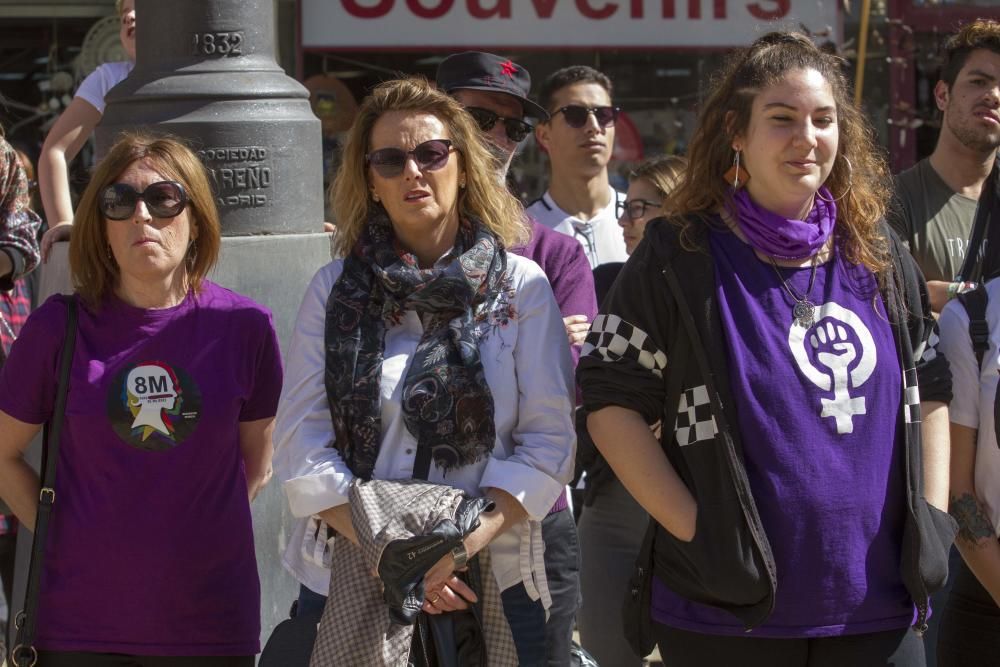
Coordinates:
x,y
474,70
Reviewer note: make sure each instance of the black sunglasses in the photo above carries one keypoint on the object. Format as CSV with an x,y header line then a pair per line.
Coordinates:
x,y
576,115
165,199
429,156
636,208
517,130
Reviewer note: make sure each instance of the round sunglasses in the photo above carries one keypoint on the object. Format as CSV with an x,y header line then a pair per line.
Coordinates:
x,y
391,162
636,208
164,199
517,130
576,115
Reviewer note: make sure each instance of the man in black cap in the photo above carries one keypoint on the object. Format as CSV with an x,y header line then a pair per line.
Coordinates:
x,y
494,91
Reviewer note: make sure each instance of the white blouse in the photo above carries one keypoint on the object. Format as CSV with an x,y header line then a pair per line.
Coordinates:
x,y
526,360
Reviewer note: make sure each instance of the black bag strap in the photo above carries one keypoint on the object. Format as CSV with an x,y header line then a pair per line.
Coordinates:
x,y
972,267
24,653
975,302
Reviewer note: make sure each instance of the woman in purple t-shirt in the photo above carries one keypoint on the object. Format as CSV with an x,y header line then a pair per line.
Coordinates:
x,y
173,388
775,328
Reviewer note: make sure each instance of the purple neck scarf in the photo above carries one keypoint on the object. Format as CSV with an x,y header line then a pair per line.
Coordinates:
x,y
780,237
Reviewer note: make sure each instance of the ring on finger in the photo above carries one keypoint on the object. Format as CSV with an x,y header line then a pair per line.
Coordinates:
x,y
436,598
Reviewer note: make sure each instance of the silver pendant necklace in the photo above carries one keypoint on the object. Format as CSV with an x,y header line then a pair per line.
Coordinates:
x,y
804,310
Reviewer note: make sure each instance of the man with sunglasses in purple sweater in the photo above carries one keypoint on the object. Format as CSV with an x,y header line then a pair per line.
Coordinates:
x,y
579,136
494,91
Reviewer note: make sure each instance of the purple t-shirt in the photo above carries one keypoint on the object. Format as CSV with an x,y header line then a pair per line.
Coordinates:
x,y
150,548
565,264
818,414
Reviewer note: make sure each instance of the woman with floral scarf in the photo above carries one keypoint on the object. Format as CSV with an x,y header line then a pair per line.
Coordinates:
x,y
428,351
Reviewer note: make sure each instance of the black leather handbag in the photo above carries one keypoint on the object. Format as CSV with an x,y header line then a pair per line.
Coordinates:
x,y
291,641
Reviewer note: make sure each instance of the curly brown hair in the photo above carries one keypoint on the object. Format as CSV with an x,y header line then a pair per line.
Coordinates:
x,y
861,180
979,34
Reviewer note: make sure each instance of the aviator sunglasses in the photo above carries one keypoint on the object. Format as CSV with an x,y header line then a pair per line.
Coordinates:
x,y
576,115
430,156
636,208
164,199
515,128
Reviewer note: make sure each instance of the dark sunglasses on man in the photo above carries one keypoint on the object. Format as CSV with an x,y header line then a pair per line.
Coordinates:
x,y
517,129
391,162
164,199
636,208
576,115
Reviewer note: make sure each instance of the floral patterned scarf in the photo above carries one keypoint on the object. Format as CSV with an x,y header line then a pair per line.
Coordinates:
x,y
446,403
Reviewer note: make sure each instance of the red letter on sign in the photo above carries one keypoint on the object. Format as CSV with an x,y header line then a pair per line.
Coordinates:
x,y
418,9
378,11
769,14
544,8
604,12
636,12
720,9
669,10
476,10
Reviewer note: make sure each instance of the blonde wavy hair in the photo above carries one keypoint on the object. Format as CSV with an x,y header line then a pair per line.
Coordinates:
x,y
664,173
862,180
485,196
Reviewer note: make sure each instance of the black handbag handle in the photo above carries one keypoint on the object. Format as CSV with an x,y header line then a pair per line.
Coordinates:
x,y
24,653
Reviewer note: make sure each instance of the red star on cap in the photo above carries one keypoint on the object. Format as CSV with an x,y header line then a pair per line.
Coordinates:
x,y
508,68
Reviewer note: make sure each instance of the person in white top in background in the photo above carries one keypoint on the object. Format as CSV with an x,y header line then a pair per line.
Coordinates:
x,y
579,138
72,129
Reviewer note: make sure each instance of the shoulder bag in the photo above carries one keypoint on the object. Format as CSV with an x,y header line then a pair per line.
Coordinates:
x,y
24,653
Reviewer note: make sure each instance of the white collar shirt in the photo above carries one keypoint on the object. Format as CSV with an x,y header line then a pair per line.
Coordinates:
x,y
600,236
526,360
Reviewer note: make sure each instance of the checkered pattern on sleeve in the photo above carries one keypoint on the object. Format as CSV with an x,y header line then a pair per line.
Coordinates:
x,y
15,306
18,223
695,422
911,397
611,338
927,351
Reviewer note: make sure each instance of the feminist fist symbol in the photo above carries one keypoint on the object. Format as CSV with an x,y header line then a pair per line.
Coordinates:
x,y
835,351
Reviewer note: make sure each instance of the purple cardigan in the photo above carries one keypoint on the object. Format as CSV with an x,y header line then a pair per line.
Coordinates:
x,y
565,264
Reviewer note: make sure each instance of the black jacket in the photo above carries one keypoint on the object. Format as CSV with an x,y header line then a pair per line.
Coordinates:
x,y
664,305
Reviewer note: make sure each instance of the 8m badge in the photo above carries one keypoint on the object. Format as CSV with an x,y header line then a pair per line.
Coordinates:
x,y
154,406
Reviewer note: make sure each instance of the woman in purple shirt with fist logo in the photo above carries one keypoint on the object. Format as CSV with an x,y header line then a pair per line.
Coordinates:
x,y
780,333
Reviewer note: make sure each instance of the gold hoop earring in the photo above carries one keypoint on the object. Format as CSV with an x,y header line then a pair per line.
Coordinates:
x,y
736,175
850,183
